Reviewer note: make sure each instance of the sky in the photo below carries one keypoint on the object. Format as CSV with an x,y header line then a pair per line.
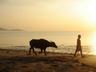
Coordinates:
x,y
48,15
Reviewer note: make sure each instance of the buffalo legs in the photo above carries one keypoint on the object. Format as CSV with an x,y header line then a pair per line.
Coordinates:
x,y
45,51
33,51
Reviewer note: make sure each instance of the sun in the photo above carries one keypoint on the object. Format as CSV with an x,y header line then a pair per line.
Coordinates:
x,y
93,43
89,12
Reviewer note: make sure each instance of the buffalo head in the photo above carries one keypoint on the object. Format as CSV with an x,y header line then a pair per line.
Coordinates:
x,y
52,44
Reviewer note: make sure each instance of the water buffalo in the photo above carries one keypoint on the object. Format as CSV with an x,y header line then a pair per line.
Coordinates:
x,y
41,44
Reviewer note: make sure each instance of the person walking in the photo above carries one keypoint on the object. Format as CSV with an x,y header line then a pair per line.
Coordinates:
x,y
78,46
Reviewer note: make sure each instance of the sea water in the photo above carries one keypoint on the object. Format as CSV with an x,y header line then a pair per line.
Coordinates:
x,y
65,40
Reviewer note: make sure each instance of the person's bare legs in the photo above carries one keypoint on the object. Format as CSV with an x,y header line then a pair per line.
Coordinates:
x,y
81,53
75,53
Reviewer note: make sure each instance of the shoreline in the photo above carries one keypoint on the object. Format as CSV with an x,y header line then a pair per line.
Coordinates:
x,y
70,49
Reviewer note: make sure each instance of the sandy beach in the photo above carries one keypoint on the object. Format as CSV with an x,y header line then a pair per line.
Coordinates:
x,y
20,61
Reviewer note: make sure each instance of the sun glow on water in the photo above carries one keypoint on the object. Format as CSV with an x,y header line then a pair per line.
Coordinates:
x,y
93,43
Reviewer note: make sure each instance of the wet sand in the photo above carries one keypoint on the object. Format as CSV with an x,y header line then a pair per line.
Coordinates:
x,y
20,61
